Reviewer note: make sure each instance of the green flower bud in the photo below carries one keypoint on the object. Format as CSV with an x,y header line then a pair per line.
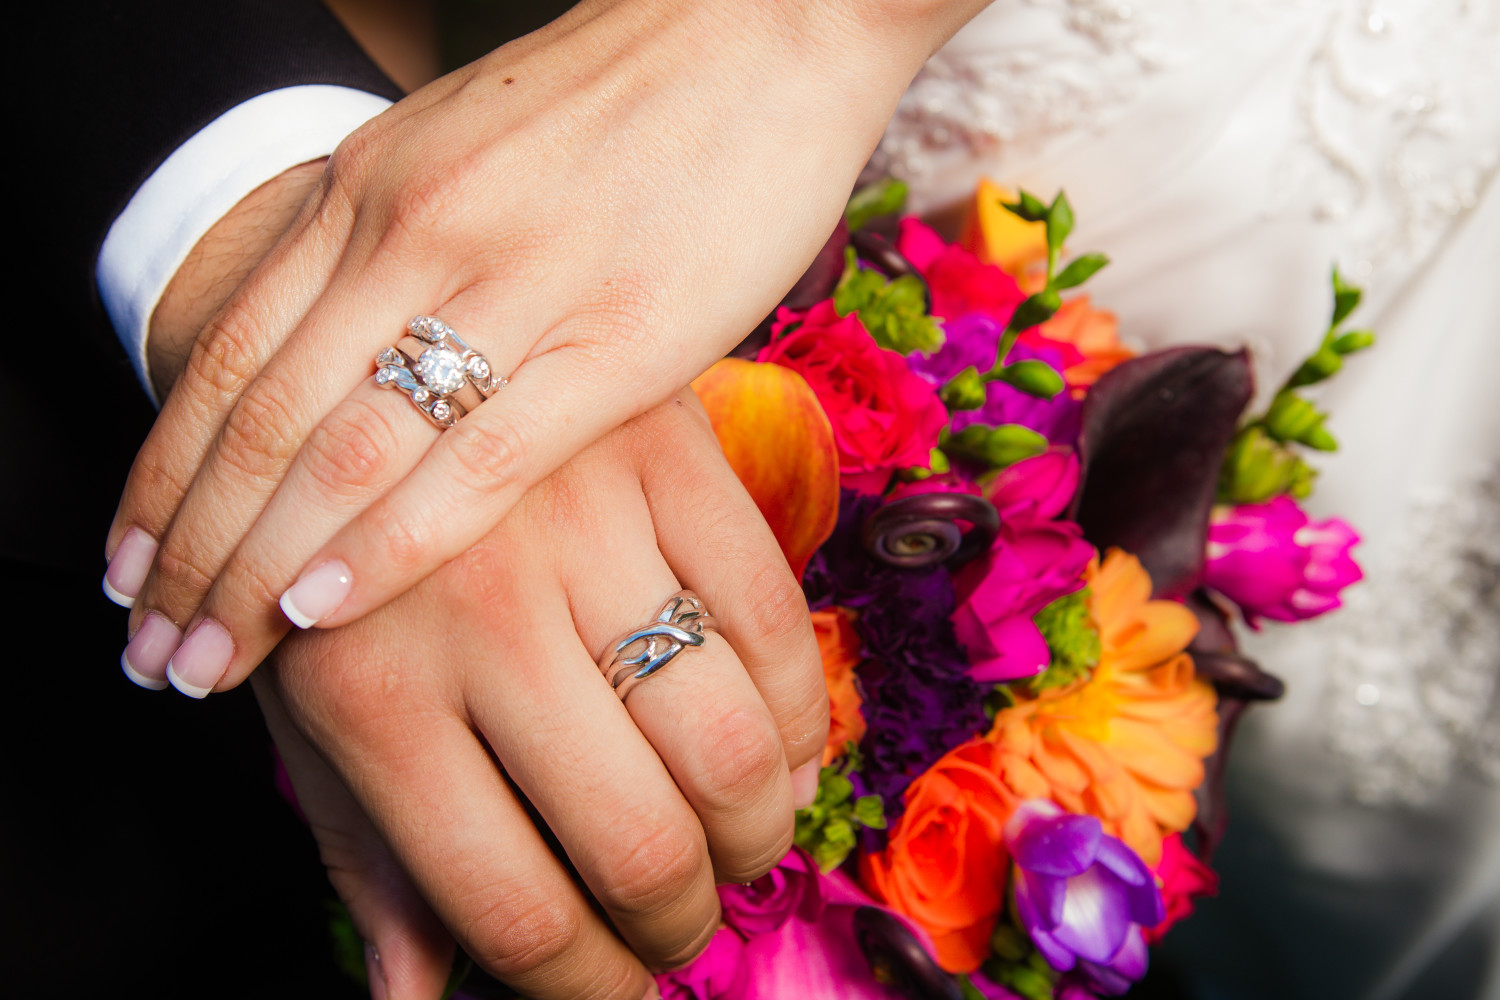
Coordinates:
x,y
1035,310
1324,363
1353,341
937,462
997,447
1257,468
1293,418
1059,221
1345,298
965,391
1035,378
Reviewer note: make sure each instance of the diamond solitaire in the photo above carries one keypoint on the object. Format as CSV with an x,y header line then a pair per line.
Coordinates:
x,y
442,369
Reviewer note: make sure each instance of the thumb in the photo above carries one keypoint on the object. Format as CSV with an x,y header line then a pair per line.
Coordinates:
x,y
408,952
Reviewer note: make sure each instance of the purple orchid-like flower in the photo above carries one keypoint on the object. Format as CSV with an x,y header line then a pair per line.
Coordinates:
x,y
1275,562
1082,895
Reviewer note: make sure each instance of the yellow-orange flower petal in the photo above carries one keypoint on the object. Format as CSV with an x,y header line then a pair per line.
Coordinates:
x,y
1126,745
997,236
839,645
779,442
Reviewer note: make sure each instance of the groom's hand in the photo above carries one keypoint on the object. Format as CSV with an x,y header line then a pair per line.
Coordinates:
x,y
478,692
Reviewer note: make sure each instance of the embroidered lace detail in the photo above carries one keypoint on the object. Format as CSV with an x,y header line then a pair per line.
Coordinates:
x,y
1399,132
1094,58
1413,689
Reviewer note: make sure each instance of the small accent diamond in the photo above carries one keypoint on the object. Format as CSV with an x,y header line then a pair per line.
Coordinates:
x,y
383,376
479,368
441,410
419,395
442,369
387,357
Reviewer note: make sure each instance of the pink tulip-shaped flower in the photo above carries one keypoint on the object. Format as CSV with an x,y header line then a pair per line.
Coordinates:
x,y
1081,895
1274,562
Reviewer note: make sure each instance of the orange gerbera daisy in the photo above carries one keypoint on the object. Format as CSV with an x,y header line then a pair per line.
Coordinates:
x,y
840,647
1126,745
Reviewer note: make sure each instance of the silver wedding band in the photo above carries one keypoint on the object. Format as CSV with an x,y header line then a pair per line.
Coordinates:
x,y
682,624
442,375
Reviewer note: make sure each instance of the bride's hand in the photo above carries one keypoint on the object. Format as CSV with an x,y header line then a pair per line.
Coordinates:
x,y
601,208
477,692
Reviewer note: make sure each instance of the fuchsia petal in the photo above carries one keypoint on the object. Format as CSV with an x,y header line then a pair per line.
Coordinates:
x,y
1017,650
1058,847
919,243
1042,485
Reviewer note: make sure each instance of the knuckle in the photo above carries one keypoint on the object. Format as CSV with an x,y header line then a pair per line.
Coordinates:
x,y
181,570
350,449
487,458
225,359
778,615
516,938
743,757
258,437
658,869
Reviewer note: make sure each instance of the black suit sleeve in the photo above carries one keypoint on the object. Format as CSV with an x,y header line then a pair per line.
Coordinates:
x,y
109,89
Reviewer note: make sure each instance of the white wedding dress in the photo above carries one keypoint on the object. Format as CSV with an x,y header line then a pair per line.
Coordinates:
x,y
1225,153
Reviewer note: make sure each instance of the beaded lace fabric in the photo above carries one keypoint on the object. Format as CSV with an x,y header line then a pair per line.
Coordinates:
x,y
1224,153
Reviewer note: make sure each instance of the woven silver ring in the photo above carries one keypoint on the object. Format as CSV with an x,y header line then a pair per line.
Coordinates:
x,y
682,624
440,373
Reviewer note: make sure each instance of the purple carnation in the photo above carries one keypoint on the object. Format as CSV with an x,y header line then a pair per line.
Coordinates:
x,y
919,702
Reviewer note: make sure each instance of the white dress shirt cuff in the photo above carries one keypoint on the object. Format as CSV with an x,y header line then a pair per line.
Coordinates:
x,y
201,181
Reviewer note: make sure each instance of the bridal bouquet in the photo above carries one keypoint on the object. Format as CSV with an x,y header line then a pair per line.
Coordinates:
x,y
1024,547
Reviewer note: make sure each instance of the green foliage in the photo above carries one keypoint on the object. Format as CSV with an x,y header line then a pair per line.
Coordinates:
x,y
1059,224
1072,639
884,197
1345,298
1294,418
1028,207
1035,378
1017,965
1353,342
1034,311
895,312
996,447
827,829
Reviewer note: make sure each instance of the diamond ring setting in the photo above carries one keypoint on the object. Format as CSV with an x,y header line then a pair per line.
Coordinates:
x,y
440,373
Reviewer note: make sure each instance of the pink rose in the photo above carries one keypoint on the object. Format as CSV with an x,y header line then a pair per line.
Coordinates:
x,y
790,889
961,283
1038,487
884,417
1274,562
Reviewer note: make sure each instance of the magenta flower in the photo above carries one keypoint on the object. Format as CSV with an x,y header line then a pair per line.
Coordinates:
x,y
788,934
1274,562
1034,561
1082,895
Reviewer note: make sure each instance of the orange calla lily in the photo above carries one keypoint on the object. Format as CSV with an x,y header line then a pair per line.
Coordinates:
x,y
779,442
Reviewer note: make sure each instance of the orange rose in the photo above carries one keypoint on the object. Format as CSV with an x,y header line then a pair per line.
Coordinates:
x,y
945,863
1096,335
840,647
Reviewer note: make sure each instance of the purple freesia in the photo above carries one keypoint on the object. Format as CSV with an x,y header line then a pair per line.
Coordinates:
x,y
1275,562
802,944
1082,895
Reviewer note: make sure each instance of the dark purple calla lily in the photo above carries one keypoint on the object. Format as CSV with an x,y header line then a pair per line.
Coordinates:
x,y
1081,895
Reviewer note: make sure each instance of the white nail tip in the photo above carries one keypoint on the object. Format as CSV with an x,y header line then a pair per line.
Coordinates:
x,y
191,690
294,614
149,683
117,597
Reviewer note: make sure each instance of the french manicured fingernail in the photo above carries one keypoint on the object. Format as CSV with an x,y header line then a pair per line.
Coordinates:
x,y
317,595
374,973
201,660
805,784
146,655
128,569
